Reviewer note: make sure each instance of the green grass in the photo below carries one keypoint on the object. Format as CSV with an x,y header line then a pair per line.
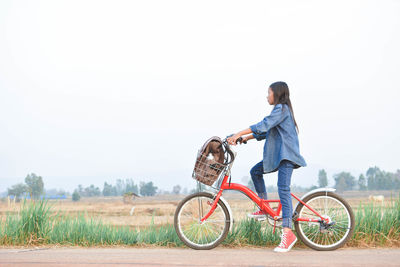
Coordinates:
x,y
252,232
36,224
377,225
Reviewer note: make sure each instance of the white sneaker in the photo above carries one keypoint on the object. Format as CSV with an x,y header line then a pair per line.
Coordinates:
x,y
258,215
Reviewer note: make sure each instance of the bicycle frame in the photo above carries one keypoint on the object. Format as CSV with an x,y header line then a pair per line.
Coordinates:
x,y
260,202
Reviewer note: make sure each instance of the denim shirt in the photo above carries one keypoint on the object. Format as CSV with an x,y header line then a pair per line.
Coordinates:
x,y
281,141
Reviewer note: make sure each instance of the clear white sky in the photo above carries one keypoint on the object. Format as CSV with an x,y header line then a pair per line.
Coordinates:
x,y
93,91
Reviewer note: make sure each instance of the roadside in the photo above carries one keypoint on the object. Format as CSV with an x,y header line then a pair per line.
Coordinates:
x,y
188,257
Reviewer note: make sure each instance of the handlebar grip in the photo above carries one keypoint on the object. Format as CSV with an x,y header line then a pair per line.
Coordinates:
x,y
240,140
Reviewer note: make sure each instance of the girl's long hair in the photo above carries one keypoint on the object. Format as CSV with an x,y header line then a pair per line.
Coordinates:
x,y
281,96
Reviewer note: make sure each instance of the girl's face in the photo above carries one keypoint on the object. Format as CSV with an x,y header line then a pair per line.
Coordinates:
x,y
270,96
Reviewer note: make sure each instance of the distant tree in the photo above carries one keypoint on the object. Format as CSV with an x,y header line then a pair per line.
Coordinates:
x,y
382,180
344,181
120,187
388,181
92,191
340,184
18,190
362,183
76,196
35,185
322,178
80,190
372,179
109,190
396,180
131,187
55,192
147,189
176,189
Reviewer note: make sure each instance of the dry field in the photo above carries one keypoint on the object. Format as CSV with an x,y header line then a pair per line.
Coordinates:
x,y
159,210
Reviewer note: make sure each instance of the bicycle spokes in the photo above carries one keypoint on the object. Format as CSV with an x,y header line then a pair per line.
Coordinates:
x,y
332,229
195,231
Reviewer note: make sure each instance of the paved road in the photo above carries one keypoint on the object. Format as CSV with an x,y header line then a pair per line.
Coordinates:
x,y
188,257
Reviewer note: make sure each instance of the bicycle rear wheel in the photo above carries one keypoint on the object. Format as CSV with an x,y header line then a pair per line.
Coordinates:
x,y
191,231
321,235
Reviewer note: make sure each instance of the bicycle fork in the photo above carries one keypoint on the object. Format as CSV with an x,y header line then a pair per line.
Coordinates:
x,y
213,206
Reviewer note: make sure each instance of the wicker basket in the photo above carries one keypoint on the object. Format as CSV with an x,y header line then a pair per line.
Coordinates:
x,y
207,170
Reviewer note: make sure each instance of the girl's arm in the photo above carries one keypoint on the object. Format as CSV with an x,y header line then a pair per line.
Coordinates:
x,y
259,129
232,140
248,137
277,116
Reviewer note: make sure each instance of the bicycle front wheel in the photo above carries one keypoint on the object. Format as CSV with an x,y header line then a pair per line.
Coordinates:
x,y
329,235
194,233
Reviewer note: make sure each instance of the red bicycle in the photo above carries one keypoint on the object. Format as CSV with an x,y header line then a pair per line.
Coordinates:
x,y
322,219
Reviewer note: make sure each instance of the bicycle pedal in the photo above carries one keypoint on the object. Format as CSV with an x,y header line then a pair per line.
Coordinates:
x,y
261,219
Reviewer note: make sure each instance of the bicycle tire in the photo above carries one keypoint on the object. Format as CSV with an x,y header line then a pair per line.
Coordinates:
x,y
326,196
186,240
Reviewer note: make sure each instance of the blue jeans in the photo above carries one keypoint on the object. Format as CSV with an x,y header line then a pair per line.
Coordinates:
x,y
285,171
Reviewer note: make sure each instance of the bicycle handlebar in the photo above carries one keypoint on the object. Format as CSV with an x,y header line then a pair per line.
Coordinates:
x,y
239,140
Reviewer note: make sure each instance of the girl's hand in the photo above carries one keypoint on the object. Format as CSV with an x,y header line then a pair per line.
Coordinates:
x,y
232,140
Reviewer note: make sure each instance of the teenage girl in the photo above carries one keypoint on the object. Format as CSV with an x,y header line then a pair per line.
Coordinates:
x,y
281,153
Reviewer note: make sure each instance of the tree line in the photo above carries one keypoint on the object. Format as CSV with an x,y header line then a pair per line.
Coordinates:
x,y
34,188
374,179
120,188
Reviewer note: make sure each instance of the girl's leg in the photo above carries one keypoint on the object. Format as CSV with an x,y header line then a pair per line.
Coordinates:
x,y
257,176
284,177
288,238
